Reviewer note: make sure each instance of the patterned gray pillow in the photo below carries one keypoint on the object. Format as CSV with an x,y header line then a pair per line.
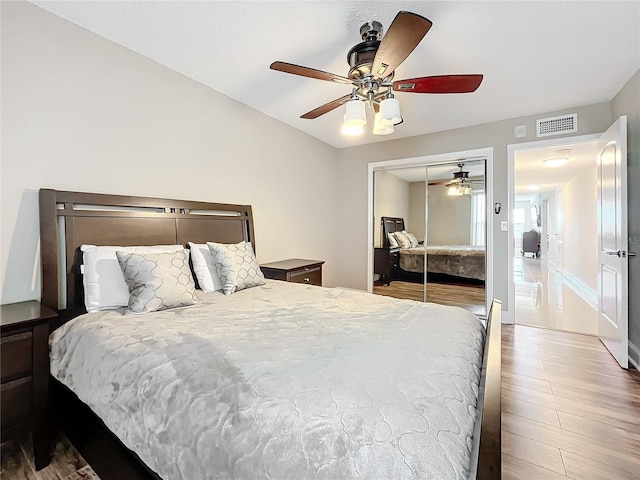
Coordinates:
x,y
236,265
413,239
157,281
403,239
393,243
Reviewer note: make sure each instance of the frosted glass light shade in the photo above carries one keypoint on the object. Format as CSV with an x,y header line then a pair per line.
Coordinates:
x,y
352,130
453,191
381,126
355,114
390,110
555,162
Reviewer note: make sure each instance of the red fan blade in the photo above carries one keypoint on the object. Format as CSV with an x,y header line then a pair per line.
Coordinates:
x,y
308,72
327,107
439,84
404,34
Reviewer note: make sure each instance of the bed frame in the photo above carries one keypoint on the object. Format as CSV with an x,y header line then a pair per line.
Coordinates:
x,y
70,219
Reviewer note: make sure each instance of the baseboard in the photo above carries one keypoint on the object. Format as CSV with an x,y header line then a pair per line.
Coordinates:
x,y
583,290
634,356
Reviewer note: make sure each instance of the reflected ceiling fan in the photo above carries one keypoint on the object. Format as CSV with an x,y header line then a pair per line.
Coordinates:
x,y
460,184
372,68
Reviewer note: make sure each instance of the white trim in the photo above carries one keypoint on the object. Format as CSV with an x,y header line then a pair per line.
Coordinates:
x,y
634,356
583,290
511,198
443,158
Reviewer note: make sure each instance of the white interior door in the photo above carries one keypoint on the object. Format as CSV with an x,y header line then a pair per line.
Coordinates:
x,y
613,286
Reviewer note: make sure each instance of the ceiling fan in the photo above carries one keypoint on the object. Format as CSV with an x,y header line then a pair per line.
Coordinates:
x,y
460,184
372,68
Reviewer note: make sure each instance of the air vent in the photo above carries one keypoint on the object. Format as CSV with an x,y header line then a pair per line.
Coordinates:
x,y
546,127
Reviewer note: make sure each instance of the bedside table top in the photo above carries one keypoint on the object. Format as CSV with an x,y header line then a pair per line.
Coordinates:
x,y
24,313
292,264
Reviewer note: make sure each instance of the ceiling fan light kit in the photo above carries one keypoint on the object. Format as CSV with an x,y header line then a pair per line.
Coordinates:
x,y
372,66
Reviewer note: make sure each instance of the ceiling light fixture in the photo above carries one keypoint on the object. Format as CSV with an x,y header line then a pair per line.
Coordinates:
x,y
555,162
533,188
390,109
352,130
462,189
382,126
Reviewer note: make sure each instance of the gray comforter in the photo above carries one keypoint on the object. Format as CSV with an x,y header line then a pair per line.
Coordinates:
x,y
466,261
283,381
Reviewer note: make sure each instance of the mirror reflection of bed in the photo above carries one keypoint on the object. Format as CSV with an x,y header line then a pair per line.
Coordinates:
x,y
423,222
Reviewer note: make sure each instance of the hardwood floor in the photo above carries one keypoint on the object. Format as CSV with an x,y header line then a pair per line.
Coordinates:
x,y
471,297
17,462
568,410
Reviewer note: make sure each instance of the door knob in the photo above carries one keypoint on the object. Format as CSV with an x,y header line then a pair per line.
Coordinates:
x,y
617,253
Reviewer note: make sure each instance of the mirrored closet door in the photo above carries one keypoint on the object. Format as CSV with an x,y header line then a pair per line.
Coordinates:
x,y
430,233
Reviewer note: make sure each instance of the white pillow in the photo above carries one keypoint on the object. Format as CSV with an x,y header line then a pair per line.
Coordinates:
x,y
237,266
393,243
104,285
204,268
413,239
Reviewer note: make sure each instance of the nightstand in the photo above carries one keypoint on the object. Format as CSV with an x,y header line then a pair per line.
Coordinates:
x,y
386,262
24,372
296,270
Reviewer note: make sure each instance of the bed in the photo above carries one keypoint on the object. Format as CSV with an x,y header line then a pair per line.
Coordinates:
x,y
292,381
465,262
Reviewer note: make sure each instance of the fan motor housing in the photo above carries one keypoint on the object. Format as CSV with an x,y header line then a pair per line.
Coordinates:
x,y
360,58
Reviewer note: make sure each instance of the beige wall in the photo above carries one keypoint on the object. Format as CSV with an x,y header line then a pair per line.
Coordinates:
x,y
580,227
82,113
391,199
352,181
417,203
449,221
627,102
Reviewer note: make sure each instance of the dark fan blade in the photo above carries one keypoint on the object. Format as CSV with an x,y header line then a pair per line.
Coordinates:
x,y
308,72
439,84
404,34
376,107
441,182
327,107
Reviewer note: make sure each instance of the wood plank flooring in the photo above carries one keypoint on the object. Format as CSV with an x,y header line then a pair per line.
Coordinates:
x,y
471,297
17,462
568,410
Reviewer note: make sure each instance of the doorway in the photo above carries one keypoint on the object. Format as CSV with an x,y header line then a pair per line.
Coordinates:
x,y
555,237
417,195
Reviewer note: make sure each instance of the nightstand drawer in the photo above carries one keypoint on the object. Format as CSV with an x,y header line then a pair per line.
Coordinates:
x,y
310,277
15,402
394,259
16,356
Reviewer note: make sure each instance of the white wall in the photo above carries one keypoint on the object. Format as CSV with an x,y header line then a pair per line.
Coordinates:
x,y
449,220
580,227
352,181
82,113
391,199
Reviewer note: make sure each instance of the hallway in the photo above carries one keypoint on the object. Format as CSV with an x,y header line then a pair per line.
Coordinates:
x,y
547,298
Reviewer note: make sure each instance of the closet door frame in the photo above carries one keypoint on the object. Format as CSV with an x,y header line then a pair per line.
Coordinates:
x,y
485,154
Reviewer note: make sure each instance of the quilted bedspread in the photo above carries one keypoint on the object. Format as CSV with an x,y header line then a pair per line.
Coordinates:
x,y
283,381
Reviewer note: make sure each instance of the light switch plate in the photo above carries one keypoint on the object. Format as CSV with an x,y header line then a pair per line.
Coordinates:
x,y
504,226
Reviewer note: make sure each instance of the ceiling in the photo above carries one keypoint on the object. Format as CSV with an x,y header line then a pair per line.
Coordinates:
x,y
529,169
438,172
535,56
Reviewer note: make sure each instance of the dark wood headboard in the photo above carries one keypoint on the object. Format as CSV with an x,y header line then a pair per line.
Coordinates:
x,y
71,219
390,225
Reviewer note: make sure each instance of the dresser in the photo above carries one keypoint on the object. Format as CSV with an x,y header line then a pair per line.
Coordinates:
x,y
296,270
386,262
24,372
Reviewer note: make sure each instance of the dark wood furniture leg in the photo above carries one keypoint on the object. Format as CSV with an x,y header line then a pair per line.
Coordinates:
x,y
41,424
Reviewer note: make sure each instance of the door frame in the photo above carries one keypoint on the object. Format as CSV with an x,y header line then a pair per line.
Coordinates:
x,y
509,316
438,159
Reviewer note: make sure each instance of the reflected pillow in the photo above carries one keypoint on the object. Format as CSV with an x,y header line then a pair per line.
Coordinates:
x,y
403,239
204,268
157,281
393,243
104,285
413,240
236,265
